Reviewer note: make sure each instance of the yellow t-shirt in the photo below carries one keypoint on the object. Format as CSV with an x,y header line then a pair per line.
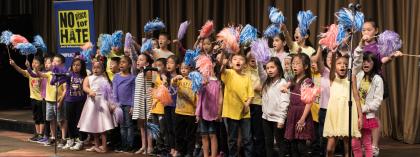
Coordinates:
x,y
34,86
186,98
108,63
363,90
50,93
255,78
159,108
238,88
307,50
315,105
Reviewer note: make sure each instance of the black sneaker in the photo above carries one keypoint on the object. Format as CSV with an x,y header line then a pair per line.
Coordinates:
x,y
50,142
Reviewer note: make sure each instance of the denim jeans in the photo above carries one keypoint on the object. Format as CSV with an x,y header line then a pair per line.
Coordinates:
x,y
233,127
126,128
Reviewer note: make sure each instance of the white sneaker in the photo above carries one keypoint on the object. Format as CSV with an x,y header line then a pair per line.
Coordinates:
x,y
77,146
69,143
375,151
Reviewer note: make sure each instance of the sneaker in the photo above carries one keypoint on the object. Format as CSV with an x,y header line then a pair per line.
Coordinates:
x,y
42,140
141,150
34,138
69,143
61,143
375,151
77,146
49,142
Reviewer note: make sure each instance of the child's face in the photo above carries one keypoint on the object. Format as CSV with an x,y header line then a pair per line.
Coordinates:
x,y
113,65
369,30
278,44
314,64
298,36
76,67
238,62
298,67
367,65
207,46
341,67
185,70
329,59
219,58
57,62
124,65
155,44
141,62
163,41
47,64
160,66
97,68
272,70
251,61
171,65
36,64
287,64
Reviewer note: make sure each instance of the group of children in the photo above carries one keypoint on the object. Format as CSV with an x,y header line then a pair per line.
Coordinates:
x,y
257,107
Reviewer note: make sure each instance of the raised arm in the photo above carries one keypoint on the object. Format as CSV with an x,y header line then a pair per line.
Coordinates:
x,y
333,60
287,36
17,68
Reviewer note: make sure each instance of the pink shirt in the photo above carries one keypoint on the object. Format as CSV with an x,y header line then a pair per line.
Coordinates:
x,y
208,101
325,88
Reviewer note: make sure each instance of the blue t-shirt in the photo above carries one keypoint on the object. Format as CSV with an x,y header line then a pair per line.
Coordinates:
x,y
123,89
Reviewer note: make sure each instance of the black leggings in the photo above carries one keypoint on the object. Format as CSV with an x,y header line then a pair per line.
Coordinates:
x,y
73,111
271,131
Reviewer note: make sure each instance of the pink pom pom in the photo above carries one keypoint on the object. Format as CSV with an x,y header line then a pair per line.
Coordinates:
x,y
204,65
207,29
309,94
16,39
86,46
162,94
330,37
230,37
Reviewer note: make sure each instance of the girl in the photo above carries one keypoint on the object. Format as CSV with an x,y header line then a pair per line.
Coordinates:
x,y
143,82
96,114
370,89
299,126
74,100
336,120
279,49
274,107
123,89
208,111
185,127
301,43
172,71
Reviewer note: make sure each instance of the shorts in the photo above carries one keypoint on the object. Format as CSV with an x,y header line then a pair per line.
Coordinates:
x,y
207,127
37,115
51,108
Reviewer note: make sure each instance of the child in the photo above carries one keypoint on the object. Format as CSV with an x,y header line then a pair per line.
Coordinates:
x,y
337,118
162,51
279,49
96,116
47,67
114,66
301,43
370,89
185,126
140,111
207,112
238,95
172,71
35,95
274,106
74,100
299,126
256,109
123,89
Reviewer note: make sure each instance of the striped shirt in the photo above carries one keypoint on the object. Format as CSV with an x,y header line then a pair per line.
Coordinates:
x,y
139,95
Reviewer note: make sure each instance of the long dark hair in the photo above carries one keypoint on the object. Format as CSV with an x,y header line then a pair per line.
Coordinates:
x,y
376,66
130,63
306,63
269,81
82,72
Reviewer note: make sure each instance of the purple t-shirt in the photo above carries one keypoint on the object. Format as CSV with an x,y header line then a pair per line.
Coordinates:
x,y
173,91
208,101
74,88
373,48
123,89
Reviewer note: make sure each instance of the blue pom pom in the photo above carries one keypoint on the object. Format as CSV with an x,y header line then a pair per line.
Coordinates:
x,y
5,37
26,48
87,55
106,43
196,80
248,34
345,18
276,16
117,39
39,43
153,129
272,31
341,34
153,25
190,57
147,46
305,18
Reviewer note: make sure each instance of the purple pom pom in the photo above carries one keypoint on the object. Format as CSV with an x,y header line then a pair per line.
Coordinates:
x,y
388,42
182,29
260,50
